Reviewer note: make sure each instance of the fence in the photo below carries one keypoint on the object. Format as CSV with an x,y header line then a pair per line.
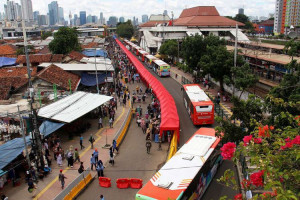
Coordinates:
x,y
76,186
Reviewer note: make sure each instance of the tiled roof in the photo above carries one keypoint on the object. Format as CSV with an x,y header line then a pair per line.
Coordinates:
x,y
200,11
153,23
267,23
8,50
39,58
90,45
16,72
75,55
15,82
55,75
44,50
4,93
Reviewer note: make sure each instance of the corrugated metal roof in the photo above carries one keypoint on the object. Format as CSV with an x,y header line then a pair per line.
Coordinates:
x,y
72,107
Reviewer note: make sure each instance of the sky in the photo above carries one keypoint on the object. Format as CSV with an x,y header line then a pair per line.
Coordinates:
x,y
130,8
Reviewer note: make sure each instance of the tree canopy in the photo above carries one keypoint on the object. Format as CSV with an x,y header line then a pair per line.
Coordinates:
x,y
65,40
169,48
46,34
125,29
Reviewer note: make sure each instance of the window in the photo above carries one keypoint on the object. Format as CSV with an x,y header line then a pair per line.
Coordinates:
x,y
203,108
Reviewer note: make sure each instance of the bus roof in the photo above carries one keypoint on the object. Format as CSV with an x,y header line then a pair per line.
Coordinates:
x,y
176,175
143,52
195,93
160,63
151,57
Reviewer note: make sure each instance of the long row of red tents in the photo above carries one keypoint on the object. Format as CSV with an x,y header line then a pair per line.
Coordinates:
x,y
169,115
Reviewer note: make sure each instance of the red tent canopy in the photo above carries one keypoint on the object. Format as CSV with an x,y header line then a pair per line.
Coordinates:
x,y
169,115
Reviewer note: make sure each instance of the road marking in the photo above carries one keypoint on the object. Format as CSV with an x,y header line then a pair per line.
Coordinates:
x,y
81,154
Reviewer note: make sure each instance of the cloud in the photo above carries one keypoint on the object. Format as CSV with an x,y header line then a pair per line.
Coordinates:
x,y
130,8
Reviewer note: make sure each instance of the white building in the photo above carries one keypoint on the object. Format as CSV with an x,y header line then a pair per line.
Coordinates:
x,y
27,10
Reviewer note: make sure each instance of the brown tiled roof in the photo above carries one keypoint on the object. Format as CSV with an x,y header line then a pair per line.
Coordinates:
x,y
15,82
44,50
204,16
200,11
16,72
267,23
89,45
4,93
152,23
55,75
8,50
75,55
39,58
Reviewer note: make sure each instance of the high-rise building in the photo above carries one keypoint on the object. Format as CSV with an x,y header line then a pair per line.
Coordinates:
x,y
94,19
122,19
144,18
102,21
137,21
89,19
27,10
35,15
53,13
165,12
61,17
76,20
42,20
241,11
133,21
82,16
112,21
287,14
13,11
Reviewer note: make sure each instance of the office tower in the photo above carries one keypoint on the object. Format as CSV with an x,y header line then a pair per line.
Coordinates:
x,y
75,20
82,15
89,19
53,13
137,21
13,11
144,18
133,21
61,17
42,20
122,19
241,11
27,10
165,12
102,20
35,15
94,19
112,21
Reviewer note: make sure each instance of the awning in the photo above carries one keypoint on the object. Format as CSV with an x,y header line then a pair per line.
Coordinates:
x,y
4,61
72,107
48,127
90,79
11,150
92,53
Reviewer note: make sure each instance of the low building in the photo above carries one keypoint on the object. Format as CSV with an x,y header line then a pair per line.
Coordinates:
x,y
36,59
8,50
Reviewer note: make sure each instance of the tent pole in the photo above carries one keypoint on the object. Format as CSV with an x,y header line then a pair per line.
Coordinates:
x,y
23,134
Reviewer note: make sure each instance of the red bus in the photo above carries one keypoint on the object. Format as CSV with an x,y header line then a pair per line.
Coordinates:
x,y
198,104
189,172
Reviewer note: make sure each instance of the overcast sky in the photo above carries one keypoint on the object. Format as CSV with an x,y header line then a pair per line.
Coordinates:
x,y
130,8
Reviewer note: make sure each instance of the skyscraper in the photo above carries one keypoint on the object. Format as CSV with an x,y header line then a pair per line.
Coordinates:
x,y
122,19
94,19
89,19
101,18
133,21
12,10
82,15
35,15
61,17
27,10
42,20
53,13
112,21
165,12
241,11
287,14
144,18
75,20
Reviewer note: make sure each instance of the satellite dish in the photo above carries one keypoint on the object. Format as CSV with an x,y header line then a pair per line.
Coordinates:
x,y
292,34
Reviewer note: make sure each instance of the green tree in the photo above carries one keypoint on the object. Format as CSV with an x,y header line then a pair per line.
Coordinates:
x,y
21,50
125,29
65,40
292,48
241,18
46,34
169,48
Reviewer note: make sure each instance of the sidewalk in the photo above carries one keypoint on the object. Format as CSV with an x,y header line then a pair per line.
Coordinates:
x,y
50,187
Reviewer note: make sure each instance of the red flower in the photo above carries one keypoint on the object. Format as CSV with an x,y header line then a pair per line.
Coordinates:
x,y
238,197
228,150
257,140
289,143
246,184
257,178
288,139
271,128
264,132
247,140
296,140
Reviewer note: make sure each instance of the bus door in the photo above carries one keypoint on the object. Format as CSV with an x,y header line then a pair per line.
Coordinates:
x,y
191,109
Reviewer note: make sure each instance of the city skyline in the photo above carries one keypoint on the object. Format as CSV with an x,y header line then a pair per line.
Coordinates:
x,y
125,9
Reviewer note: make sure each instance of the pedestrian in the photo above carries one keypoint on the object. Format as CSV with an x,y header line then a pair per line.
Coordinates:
x,y
100,125
100,168
93,162
76,155
159,143
96,153
3,197
111,123
81,142
70,159
114,145
124,102
111,155
33,174
148,146
101,197
31,187
81,168
92,140
61,178
59,160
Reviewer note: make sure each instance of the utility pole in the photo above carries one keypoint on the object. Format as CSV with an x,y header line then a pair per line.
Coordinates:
x,y
96,71
36,138
235,54
23,134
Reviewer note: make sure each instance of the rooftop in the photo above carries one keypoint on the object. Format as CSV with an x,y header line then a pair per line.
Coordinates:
x,y
75,55
8,50
39,58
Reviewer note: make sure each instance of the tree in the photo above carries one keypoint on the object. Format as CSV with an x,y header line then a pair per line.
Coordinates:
x,y
125,29
65,40
46,34
292,48
241,18
169,48
21,50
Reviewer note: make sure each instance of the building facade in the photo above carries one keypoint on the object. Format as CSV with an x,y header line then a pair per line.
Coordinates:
x,y
82,16
144,18
42,20
27,10
112,21
241,11
13,11
61,18
53,13
122,19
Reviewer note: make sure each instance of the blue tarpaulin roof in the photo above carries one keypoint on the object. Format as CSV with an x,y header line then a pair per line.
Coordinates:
x,y
11,150
90,79
97,53
4,61
48,127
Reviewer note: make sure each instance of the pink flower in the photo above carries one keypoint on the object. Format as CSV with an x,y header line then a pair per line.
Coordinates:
x,y
257,140
296,140
257,178
228,150
247,140
238,197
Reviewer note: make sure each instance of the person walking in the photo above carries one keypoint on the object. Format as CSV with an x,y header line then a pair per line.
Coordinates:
x,y
81,168
31,187
148,146
61,178
59,160
111,155
100,168
93,162
76,154
114,145
159,143
101,197
111,123
92,140
96,153
70,159
100,125
81,142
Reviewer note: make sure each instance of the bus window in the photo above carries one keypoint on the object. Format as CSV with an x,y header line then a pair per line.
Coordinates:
x,y
204,108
